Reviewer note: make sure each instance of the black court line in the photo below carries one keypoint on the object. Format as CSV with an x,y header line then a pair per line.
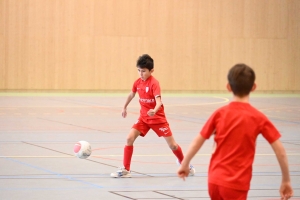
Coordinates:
x,y
74,102
89,104
85,159
64,153
49,176
167,195
175,116
121,195
282,120
290,143
158,192
73,125
184,119
192,197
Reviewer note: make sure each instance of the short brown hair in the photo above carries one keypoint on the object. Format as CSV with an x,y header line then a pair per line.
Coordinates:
x,y
241,79
145,61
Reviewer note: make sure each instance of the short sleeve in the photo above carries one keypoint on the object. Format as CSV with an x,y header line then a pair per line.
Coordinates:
x,y
210,125
134,87
269,131
156,89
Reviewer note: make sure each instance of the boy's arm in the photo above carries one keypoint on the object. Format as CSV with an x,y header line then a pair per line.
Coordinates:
x,y
152,112
184,169
285,190
128,100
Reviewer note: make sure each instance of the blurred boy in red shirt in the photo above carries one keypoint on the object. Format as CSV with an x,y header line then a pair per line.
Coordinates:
x,y
235,128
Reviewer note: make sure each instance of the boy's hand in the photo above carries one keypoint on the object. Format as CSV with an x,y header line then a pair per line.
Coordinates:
x,y
124,112
286,190
183,172
151,112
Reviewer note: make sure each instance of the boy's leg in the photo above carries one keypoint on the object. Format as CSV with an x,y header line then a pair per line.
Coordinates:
x,y
178,153
175,148
163,130
124,172
139,128
128,149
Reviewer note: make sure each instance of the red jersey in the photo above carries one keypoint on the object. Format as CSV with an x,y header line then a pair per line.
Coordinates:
x,y
236,127
148,90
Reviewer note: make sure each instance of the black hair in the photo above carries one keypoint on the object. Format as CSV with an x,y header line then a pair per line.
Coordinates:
x,y
241,79
145,61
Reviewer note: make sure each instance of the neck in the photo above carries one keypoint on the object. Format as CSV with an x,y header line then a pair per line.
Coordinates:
x,y
244,99
146,78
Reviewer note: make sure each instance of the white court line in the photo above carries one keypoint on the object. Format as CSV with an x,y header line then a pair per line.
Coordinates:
x,y
37,156
148,155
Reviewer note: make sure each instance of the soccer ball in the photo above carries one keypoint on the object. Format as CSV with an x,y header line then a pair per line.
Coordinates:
x,y
82,149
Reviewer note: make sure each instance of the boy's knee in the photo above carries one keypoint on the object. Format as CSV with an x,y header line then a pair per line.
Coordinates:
x,y
131,137
129,140
173,147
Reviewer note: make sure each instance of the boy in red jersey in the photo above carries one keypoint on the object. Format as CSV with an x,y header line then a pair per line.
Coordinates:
x,y
152,115
235,128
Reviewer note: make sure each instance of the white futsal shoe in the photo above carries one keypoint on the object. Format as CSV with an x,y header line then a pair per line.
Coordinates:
x,y
192,168
121,173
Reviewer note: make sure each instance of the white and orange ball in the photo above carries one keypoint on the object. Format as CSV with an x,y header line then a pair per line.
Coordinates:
x,y
82,149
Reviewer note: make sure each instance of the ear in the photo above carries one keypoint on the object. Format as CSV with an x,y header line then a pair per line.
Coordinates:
x,y
152,70
253,87
228,87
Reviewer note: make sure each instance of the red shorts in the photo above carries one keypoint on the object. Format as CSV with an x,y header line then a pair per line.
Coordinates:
x,y
161,130
217,192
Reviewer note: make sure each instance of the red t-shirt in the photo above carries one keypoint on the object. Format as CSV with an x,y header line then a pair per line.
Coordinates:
x,y
236,127
148,90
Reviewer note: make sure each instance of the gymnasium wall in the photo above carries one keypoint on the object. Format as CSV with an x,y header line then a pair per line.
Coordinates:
x,y
94,44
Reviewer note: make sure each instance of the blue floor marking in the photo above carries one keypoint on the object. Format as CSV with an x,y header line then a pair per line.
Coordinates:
x,y
52,172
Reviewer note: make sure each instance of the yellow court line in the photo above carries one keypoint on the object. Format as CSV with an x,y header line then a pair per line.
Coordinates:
x,y
159,155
